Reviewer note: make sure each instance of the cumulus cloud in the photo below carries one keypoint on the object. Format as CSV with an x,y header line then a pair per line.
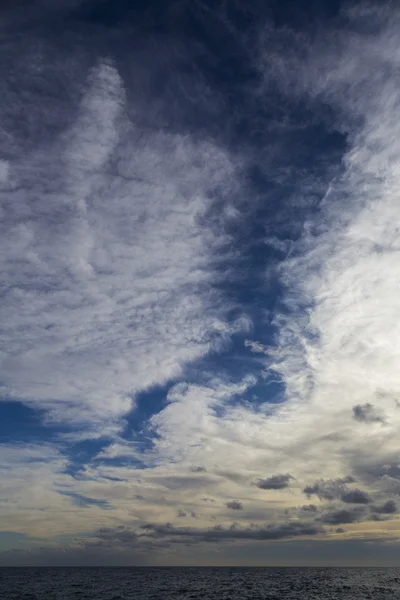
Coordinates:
x,y
276,482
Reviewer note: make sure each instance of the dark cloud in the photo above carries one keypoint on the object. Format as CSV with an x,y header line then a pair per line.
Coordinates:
x,y
337,517
234,505
196,469
355,497
181,513
388,508
309,508
340,530
381,471
368,413
276,482
273,531
375,517
120,536
329,489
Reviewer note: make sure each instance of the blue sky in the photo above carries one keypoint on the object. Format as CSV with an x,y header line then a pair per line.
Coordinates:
x,y
199,303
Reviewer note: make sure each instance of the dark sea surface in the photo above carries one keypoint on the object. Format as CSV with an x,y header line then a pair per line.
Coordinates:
x,y
198,583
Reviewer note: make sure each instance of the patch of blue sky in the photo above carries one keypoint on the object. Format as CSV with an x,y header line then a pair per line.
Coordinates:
x,y
82,453
21,423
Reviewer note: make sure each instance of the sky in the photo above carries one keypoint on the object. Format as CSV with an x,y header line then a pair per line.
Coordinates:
x,y
200,267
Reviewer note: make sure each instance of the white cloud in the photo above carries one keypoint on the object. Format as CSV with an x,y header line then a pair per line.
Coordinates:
x,y
30,475
106,261
256,347
339,344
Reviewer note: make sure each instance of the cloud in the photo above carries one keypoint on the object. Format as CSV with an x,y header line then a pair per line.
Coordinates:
x,y
367,413
179,481
40,498
234,505
276,482
195,411
337,335
388,508
85,501
271,531
121,536
337,517
309,508
113,292
127,239
330,489
256,347
355,497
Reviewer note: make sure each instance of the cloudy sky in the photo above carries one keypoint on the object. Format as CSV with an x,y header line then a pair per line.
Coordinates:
x,y
200,282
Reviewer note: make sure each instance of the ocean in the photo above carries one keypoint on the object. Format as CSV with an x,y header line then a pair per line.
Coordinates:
x,y
222,583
